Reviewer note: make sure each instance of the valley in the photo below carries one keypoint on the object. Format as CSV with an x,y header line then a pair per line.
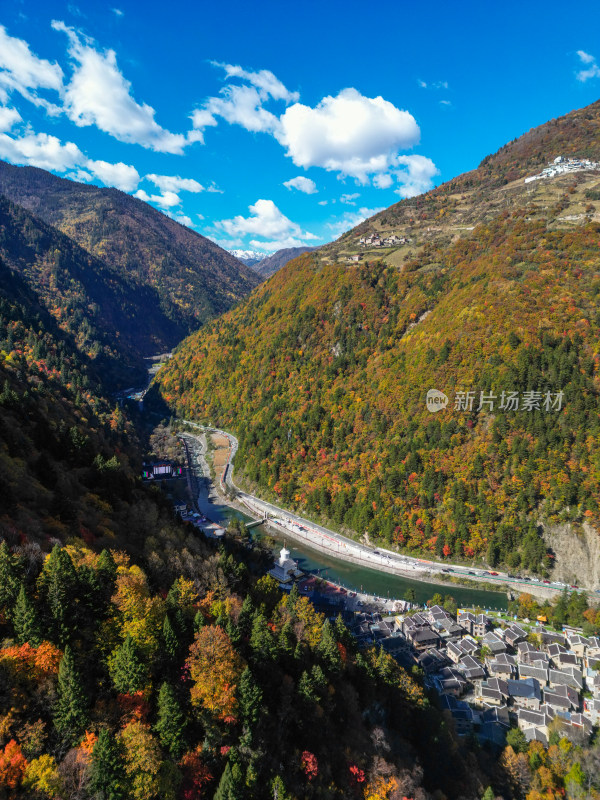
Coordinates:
x,y
322,524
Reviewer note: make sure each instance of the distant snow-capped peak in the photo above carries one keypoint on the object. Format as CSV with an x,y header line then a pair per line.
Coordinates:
x,y
249,257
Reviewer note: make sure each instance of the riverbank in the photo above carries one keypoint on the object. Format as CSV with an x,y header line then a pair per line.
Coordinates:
x,y
360,576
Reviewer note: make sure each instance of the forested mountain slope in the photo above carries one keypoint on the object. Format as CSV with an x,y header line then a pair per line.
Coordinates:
x,y
137,662
324,370
110,322
192,277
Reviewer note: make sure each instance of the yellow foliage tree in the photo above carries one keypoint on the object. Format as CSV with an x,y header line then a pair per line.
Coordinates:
x,y
142,760
215,668
142,616
310,622
41,775
380,789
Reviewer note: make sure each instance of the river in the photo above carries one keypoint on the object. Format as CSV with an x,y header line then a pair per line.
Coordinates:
x,y
352,576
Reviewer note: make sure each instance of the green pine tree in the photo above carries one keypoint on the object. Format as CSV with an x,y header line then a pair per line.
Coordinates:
x,y
231,783
250,698
106,564
126,668
107,773
306,689
25,620
246,616
233,631
488,794
171,722
292,599
198,621
342,634
9,580
328,649
169,640
107,573
70,714
261,639
287,640
58,588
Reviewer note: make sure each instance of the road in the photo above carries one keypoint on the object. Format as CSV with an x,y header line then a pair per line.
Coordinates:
x,y
349,550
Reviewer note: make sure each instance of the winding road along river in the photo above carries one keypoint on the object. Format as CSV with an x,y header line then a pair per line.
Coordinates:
x,y
319,550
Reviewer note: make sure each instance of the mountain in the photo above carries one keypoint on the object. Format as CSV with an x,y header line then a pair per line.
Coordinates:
x,y
107,599
108,321
268,266
248,257
190,277
324,370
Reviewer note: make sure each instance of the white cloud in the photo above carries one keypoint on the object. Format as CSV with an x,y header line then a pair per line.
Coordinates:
x,y
98,94
415,176
302,184
434,85
238,105
323,202
183,219
244,105
350,219
383,181
117,12
165,200
592,71
80,175
173,183
585,58
41,150
170,186
48,152
445,103
23,72
8,117
122,176
355,135
264,80
349,199
268,222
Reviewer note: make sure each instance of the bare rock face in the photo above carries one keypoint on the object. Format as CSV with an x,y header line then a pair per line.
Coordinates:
x,y
577,551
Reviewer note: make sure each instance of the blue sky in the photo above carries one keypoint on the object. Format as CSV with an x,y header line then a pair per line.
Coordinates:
x,y
272,125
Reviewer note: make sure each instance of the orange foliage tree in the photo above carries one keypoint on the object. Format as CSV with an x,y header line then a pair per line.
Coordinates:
x,y
12,767
215,668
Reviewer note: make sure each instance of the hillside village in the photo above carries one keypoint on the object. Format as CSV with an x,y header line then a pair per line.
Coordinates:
x,y
562,165
492,674
373,240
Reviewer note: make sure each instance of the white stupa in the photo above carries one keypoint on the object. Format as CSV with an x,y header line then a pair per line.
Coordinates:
x,y
285,569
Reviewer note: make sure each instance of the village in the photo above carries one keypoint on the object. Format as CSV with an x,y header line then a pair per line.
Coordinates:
x,y
373,240
562,165
492,674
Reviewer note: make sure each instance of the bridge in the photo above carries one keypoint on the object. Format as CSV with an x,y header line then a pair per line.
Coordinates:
x,y
254,523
